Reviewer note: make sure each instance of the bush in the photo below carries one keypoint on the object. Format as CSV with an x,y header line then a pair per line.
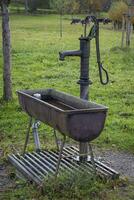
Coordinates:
x,y
116,11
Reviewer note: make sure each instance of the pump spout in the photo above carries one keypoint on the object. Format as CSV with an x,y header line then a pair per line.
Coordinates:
x,y
62,55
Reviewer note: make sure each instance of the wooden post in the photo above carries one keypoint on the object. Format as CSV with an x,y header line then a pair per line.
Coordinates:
x,y
26,6
129,24
61,24
123,30
7,83
128,31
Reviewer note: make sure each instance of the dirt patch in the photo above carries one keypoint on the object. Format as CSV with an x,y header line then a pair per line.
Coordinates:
x,y
4,178
122,162
6,175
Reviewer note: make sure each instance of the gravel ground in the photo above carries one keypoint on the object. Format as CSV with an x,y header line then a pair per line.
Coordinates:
x,y
6,182
5,179
122,162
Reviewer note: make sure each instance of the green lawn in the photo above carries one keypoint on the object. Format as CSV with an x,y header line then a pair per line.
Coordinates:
x,y
35,64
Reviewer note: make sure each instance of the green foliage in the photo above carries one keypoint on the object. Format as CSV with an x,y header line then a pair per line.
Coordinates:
x,y
65,6
35,49
5,1
75,6
129,2
92,6
117,10
58,5
33,5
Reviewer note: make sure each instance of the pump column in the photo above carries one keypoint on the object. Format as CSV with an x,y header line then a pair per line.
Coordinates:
x,y
84,85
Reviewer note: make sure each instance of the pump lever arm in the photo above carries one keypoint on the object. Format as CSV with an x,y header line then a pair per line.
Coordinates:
x,y
101,68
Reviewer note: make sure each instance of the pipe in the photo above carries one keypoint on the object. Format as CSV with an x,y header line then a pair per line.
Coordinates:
x,y
62,55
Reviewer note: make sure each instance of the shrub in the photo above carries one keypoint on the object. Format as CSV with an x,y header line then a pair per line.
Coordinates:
x,y
116,11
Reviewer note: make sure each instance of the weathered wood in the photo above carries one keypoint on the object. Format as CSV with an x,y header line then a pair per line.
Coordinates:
x,y
7,82
123,31
26,6
128,31
61,24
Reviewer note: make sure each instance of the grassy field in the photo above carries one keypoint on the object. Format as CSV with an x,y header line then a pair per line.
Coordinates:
x,y
35,64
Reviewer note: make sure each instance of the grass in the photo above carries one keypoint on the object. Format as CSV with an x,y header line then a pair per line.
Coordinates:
x,y
35,64
35,47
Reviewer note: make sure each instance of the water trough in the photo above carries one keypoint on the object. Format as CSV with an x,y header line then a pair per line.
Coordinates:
x,y
79,119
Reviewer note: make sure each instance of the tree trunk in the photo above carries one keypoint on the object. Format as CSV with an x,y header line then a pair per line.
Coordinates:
x,y
129,26
128,32
26,6
7,83
123,31
61,24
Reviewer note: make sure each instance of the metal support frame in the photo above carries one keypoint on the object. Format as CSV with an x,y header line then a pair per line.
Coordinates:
x,y
84,148
56,139
27,135
60,156
92,158
35,127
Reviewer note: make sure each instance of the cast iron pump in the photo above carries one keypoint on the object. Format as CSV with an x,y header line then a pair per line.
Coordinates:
x,y
84,54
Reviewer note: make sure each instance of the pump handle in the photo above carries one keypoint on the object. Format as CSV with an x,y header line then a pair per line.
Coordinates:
x,y
101,70
94,33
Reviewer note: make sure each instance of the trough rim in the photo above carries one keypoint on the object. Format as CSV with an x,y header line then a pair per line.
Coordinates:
x,y
102,108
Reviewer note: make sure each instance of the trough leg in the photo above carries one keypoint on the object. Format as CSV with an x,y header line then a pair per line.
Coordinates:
x,y
27,135
56,140
35,127
92,158
60,156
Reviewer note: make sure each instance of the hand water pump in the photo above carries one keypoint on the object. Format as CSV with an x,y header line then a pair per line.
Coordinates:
x,y
84,54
